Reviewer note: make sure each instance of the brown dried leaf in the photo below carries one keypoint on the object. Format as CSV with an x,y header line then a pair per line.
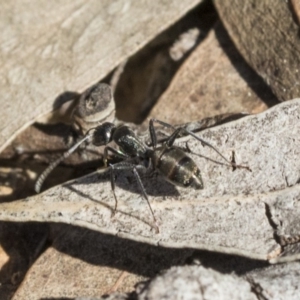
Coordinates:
x,y
148,72
267,35
213,80
53,47
295,5
82,262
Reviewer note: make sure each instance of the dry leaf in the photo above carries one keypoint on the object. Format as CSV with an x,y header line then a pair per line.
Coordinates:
x,y
83,262
213,80
194,282
229,215
276,282
266,33
49,48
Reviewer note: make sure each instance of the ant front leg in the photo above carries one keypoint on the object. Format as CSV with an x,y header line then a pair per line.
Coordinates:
x,y
114,151
132,167
172,138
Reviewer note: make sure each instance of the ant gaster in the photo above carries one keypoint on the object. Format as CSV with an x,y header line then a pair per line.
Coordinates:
x,y
170,161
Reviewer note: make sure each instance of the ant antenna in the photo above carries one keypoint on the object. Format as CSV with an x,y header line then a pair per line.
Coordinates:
x,y
44,175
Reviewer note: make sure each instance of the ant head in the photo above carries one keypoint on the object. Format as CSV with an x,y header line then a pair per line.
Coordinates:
x,y
103,134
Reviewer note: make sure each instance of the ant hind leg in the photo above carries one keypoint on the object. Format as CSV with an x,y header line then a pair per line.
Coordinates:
x,y
133,168
203,142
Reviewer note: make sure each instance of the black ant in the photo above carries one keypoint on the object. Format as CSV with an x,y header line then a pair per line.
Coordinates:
x,y
170,161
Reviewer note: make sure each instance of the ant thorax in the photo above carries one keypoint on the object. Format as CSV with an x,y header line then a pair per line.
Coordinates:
x,y
129,143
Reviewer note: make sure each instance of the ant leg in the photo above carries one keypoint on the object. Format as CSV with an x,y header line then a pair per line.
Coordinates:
x,y
133,168
118,166
152,134
188,132
112,175
162,123
232,163
114,151
138,178
170,140
113,184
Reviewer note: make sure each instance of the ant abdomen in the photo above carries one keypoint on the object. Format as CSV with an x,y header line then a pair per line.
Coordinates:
x,y
177,167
